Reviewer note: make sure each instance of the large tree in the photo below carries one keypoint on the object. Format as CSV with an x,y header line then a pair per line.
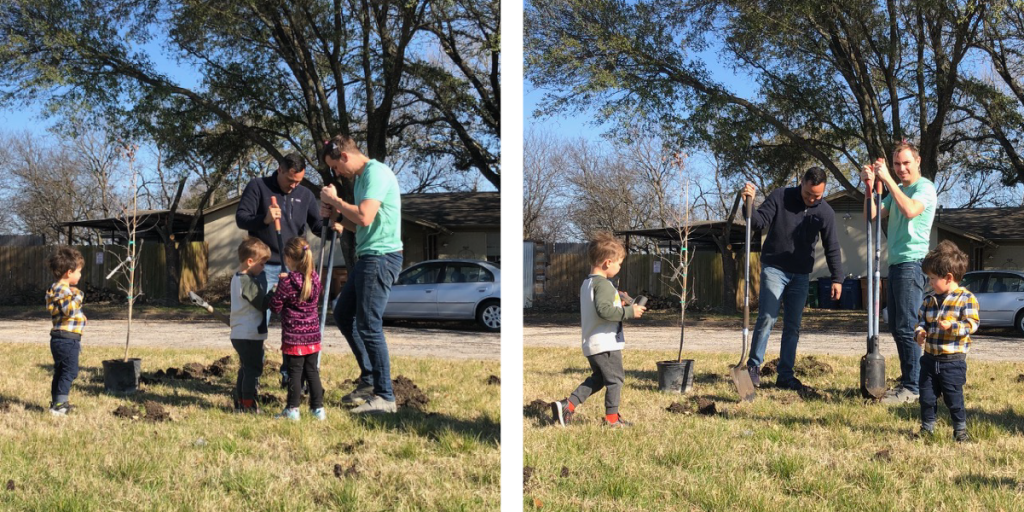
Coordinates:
x,y
836,82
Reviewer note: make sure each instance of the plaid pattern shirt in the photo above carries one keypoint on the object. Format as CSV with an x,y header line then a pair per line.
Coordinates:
x,y
960,307
65,307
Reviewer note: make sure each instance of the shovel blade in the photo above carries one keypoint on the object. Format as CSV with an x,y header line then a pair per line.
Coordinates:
x,y
741,379
872,375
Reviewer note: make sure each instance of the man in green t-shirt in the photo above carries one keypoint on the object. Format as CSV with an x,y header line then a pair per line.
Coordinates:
x,y
910,207
375,216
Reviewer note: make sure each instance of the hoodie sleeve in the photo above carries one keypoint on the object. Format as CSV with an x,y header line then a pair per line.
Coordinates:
x,y
830,242
250,213
762,216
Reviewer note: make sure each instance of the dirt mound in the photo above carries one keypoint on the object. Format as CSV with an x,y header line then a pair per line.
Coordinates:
x,y
350,448
1020,378
706,407
537,409
5,406
494,380
155,412
809,366
565,472
407,394
527,474
343,472
190,371
126,412
268,399
678,408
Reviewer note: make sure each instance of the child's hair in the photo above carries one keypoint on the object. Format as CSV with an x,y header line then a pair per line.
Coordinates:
x,y
337,145
297,251
64,259
946,258
604,246
254,248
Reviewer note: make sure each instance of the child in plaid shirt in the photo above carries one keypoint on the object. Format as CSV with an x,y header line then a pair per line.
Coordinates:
x,y
64,302
945,323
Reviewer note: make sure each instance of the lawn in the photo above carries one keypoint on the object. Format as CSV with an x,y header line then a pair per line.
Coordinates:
x,y
445,457
834,451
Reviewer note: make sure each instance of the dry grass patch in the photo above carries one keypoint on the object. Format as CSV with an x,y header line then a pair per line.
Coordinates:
x,y
177,446
830,451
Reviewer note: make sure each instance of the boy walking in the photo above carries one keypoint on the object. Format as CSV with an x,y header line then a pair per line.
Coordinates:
x,y
945,323
249,303
64,302
601,316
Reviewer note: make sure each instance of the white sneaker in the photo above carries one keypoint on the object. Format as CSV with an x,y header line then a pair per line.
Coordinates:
x,y
320,414
900,396
376,405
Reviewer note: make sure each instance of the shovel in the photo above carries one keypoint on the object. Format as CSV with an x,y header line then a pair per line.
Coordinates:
x,y
740,375
872,365
198,301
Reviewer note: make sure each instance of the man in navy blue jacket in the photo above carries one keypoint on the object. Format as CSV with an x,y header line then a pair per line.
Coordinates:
x,y
297,207
795,218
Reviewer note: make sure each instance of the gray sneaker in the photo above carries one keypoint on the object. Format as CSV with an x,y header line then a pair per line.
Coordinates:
x,y
358,396
376,405
900,396
755,375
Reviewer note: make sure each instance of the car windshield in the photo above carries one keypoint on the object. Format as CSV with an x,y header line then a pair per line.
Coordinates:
x,y
973,282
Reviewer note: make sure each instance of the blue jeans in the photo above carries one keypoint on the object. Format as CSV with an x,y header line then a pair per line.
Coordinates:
x,y
272,273
359,314
65,367
788,290
946,378
906,291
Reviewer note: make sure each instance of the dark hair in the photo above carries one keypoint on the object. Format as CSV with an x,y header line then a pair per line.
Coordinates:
x,y
604,246
64,259
293,161
337,145
945,258
815,175
254,248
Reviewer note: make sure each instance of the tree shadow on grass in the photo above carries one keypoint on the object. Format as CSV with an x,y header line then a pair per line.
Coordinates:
x,y
6,401
977,481
431,425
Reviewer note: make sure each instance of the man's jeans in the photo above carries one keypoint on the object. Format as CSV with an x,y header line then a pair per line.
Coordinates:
x,y
273,273
906,291
359,314
790,291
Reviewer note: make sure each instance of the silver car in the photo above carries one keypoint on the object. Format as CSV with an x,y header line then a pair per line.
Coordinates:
x,y
1000,296
448,290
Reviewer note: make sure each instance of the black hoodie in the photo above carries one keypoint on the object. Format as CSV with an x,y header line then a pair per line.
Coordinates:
x,y
299,209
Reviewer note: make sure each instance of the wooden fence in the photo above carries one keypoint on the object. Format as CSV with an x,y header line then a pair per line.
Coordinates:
x,y
568,267
24,270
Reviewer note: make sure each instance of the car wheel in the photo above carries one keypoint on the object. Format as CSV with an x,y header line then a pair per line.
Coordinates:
x,y
1018,322
488,315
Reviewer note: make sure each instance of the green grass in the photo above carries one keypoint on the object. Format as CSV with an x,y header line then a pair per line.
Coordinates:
x,y
779,452
207,458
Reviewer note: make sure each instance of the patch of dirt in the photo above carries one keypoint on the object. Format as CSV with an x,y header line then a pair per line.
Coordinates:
x,y
190,371
808,366
126,412
219,367
268,399
706,407
812,393
883,455
1020,378
343,472
5,406
678,408
537,409
494,380
527,475
349,448
10,485
155,412
407,394
565,472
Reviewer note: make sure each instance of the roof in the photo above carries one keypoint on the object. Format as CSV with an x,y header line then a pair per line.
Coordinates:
x,y
455,209
148,220
701,233
996,224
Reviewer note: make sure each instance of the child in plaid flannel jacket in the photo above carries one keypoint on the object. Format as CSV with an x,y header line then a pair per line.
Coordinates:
x,y
946,321
64,302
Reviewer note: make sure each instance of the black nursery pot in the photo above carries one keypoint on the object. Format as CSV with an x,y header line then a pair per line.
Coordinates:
x,y
675,376
121,377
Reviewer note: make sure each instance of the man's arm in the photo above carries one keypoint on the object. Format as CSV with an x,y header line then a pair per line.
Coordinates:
x,y
833,255
762,216
249,215
362,214
909,206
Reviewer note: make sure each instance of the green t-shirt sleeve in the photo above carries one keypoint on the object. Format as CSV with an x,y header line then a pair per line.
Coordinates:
x,y
887,202
377,186
255,292
926,195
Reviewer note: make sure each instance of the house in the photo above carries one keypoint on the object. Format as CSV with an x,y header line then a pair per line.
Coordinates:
x,y
434,226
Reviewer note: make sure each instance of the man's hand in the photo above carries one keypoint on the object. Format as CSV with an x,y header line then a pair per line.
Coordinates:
x,y
837,290
282,275
638,311
867,174
326,211
749,191
882,171
945,325
329,194
919,337
273,212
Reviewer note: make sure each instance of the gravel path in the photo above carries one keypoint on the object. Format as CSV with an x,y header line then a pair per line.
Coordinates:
x,y
402,341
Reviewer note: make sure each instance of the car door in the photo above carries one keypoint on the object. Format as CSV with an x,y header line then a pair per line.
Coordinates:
x,y
463,286
414,294
976,284
1004,297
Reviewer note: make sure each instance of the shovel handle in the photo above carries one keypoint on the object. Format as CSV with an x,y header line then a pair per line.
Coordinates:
x,y
277,221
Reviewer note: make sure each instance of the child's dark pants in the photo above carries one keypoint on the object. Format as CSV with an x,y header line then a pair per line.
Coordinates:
x,y
65,365
946,376
304,368
608,373
250,358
